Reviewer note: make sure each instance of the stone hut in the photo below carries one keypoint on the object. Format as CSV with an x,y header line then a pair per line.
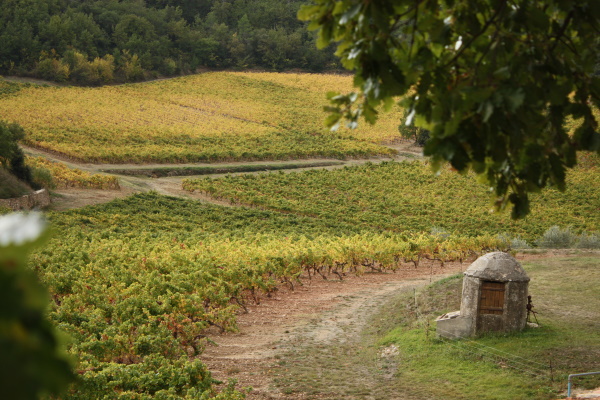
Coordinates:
x,y
494,299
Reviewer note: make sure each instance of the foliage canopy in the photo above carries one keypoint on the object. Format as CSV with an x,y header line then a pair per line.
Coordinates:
x,y
102,41
12,157
493,80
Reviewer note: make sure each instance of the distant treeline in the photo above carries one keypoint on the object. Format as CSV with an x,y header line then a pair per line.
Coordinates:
x,y
103,41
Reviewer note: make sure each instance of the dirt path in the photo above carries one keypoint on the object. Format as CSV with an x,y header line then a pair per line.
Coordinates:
x,y
320,341
171,186
316,342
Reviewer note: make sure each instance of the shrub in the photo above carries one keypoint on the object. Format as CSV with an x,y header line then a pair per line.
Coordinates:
x,y
104,69
81,69
21,171
12,157
514,243
168,67
53,69
556,238
588,241
42,177
518,243
132,68
439,232
420,135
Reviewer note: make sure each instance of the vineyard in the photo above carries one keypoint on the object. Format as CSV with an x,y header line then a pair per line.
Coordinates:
x,y
137,291
209,117
407,197
138,283
63,177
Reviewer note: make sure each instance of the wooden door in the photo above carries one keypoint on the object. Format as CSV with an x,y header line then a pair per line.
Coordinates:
x,y
491,300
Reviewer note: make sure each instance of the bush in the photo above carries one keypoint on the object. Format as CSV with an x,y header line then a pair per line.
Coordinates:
x,y
132,68
556,238
513,243
53,70
81,70
519,244
97,72
104,69
420,135
439,232
588,241
12,157
42,177
21,171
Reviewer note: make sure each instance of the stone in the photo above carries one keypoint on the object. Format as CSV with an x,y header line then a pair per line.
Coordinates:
x,y
494,298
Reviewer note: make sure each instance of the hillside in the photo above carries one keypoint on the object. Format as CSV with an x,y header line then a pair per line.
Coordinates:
x,y
10,186
210,117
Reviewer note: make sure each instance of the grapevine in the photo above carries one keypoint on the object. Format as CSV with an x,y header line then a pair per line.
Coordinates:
x,y
65,177
137,292
202,118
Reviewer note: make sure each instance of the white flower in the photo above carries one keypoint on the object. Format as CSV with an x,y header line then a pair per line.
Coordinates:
x,y
19,228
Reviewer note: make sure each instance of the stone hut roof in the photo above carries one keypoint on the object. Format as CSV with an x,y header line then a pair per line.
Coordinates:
x,y
499,267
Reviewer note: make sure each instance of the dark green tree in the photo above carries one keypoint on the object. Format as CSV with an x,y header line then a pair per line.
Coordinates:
x,y
494,81
12,157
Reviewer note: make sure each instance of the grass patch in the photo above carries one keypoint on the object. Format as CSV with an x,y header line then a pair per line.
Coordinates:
x,y
10,186
513,366
161,172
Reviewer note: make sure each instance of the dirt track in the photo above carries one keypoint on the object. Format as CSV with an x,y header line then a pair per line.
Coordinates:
x,y
171,186
319,329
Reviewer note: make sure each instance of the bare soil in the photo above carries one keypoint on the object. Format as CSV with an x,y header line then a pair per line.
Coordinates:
x,y
319,316
313,342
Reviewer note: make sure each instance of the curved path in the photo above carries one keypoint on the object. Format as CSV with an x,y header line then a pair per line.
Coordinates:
x,y
319,341
171,186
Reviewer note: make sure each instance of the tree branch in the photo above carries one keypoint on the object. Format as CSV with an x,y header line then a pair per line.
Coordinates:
x,y
562,30
412,37
485,27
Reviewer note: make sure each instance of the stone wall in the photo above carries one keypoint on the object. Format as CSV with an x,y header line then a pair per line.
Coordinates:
x,y
38,199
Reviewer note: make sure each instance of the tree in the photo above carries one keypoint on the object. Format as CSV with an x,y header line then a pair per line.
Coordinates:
x,y
12,157
494,81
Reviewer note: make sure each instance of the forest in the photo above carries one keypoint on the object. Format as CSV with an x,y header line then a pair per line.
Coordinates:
x,y
106,41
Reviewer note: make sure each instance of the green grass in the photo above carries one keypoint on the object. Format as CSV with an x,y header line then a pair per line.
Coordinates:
x,y
10,186
564,292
